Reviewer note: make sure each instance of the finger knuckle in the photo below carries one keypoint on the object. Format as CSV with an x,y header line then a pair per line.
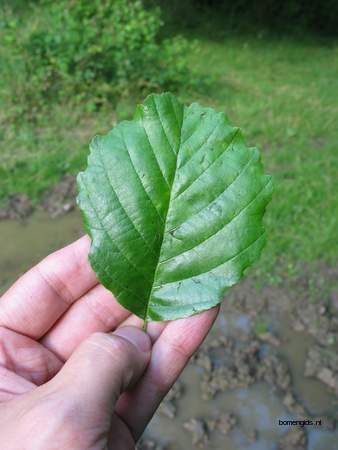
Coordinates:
x,y
115,346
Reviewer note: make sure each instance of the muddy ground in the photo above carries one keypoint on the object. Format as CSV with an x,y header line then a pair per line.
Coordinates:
x,y
271,356
57,201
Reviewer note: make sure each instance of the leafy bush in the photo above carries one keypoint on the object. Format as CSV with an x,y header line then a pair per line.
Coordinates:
x,y
94,51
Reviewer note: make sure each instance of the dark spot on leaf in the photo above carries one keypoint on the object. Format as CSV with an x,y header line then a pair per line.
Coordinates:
x,y
173,234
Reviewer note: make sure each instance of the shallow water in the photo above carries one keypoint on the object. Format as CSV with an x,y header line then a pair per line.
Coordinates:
x,y
257,407
25,243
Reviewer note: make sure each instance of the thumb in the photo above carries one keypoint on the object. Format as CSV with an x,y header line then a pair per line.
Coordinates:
x,y
105,365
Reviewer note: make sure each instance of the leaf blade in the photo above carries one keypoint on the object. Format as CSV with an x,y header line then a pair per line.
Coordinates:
x,y
171,187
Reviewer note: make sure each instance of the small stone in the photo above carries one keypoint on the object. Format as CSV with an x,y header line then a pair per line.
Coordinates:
x,y
203,360
149,444
289,400
198,429
168,407
298,326
226,423
322,310
68,207
326,376
269,338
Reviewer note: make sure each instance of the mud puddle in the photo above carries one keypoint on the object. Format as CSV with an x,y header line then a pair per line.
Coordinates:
x,y
25,243
241,382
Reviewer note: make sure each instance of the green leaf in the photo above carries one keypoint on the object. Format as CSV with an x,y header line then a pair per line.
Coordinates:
x,y
173,201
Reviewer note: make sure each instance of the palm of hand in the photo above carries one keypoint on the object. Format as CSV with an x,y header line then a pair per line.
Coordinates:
x,y
44,317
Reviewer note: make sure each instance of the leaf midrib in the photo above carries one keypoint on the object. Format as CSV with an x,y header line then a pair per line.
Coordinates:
x,y
169,202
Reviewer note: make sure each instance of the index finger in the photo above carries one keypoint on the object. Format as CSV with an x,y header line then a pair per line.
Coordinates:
x,y
37,300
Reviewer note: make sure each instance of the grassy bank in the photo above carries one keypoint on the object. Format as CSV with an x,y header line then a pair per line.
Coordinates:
x,y
282,92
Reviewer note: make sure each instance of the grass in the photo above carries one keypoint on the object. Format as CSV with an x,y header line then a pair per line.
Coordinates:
x,y
283,93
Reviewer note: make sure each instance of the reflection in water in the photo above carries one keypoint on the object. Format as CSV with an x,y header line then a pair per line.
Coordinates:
x,y
257,407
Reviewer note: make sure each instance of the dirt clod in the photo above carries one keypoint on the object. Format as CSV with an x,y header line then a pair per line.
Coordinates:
x,y
149,444
199,430
295,439
231,364
323,364
60,199
225,423
202,429
317,316
19,207
168,406
269,338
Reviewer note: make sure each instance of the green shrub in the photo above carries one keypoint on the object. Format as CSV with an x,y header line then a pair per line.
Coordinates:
x,y
94,51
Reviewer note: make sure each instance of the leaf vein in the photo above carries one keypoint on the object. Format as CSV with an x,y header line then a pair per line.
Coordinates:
x,y
209,136
164,132
152,149
119,202
218,265
106,232
220,194
208,167
222,227
139,178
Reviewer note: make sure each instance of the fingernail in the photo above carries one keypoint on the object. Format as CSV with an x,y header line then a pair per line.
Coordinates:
x,y
136,337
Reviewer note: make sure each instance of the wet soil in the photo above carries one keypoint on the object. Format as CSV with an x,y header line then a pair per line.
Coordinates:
x,y
57,201
272,354
18,207
61,198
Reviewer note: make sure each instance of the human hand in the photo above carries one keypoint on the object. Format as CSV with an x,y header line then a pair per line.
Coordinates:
x,y
66,381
